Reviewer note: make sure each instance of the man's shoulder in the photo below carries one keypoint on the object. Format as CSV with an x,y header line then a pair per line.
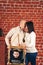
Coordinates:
x,y
15,27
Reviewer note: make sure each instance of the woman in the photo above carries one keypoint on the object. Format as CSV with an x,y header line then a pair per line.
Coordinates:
x,y
30,40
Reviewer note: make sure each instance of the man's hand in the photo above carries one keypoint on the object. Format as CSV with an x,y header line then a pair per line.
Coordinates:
x,y
23,46
8,46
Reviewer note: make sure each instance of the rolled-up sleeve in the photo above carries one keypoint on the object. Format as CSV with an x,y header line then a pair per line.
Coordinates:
x,y
7,37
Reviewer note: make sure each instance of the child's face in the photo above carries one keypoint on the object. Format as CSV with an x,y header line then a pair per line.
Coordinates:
x,y
16,54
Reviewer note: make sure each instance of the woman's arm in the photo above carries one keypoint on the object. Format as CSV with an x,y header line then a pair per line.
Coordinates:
x,y
32,39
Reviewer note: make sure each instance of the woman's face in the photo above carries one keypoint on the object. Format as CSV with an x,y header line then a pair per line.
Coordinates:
x,y
26,29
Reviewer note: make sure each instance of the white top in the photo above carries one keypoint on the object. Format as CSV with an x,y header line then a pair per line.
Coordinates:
x,y
30,41
13,35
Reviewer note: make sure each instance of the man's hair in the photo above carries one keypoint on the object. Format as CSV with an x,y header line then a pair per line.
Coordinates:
x,y
30,26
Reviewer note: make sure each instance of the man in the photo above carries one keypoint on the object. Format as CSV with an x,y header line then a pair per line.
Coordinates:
x,y
15,35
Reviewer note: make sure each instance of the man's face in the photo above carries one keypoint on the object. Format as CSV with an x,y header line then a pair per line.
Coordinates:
x,y
22,24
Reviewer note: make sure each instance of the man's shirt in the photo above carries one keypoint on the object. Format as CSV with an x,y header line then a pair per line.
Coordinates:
x,y
16,35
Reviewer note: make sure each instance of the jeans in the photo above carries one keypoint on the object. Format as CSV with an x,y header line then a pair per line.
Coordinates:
x,y
31,57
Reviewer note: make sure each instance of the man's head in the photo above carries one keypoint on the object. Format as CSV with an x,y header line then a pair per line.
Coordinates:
x,y
22,24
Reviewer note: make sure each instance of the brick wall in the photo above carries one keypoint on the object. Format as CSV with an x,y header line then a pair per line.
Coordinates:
x,y
2,51
12,11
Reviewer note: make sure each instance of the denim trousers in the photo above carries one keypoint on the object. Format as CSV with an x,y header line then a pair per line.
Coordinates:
x,y
31,57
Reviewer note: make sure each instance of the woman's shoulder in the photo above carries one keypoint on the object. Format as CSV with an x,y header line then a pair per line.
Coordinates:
x,y
26,34
33,33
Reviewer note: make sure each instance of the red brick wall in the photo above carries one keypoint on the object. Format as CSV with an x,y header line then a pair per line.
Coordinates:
x,y
2,51
12,11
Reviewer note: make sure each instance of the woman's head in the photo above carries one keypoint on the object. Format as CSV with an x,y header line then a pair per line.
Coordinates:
x,y
29,27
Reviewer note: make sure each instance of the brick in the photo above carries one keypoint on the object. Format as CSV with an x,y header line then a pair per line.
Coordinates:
x,y
2,51
41,2
3,1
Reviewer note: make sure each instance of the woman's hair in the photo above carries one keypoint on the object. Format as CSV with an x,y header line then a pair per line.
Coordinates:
x,y
30,26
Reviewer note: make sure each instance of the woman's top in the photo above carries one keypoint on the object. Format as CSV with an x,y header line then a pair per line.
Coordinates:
x,y
30,40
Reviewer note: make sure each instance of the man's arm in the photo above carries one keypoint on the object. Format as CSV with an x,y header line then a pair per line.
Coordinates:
x,y
9,35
